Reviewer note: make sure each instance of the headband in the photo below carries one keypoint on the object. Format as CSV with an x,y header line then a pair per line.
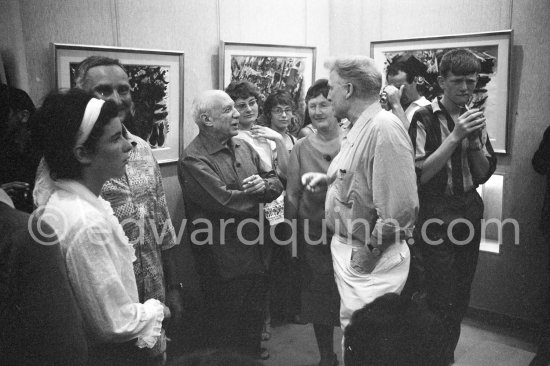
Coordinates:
x,y
93,108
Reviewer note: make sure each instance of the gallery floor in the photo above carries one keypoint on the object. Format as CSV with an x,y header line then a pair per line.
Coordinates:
x,y
479,345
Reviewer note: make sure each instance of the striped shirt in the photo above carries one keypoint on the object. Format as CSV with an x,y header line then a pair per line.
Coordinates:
x,y
431,125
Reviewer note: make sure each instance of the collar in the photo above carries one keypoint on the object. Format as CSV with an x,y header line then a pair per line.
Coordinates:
x,y
4,198
365,117
437,107
213,146
83,193
421,102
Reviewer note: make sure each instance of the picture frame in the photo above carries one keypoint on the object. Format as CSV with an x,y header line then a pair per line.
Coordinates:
x,y
492,90
156,79
269,67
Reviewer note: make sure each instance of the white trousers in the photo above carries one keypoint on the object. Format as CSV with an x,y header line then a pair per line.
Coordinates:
x,y
357,289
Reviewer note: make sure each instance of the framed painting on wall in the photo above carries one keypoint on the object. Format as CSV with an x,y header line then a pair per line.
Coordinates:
x,y
491,92
156,81
269,67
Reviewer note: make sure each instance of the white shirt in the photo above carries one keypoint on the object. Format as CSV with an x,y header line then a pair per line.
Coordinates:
x,y
372,192
267,149
99,260
409,112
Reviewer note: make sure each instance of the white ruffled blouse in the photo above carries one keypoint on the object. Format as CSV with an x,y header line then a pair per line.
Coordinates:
x,y
99,260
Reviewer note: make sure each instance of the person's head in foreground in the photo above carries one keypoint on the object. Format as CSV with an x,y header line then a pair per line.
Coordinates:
x,y
393,331
81,138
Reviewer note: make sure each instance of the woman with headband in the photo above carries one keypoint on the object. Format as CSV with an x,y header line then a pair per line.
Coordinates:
x,y
83,145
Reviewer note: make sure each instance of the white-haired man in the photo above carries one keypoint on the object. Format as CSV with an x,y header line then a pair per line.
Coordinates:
x,y
224,185
371,202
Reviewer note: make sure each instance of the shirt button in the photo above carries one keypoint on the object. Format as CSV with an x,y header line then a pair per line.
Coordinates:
x,y
238,165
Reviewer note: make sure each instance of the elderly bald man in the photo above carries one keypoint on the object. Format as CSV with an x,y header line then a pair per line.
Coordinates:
x,y
225,185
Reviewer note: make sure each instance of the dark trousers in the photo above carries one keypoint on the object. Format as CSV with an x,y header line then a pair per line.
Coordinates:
x,y
543,352
234,311
119,354
449,272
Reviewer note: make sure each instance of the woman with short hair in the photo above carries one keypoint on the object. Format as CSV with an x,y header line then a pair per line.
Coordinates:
x,y
84,145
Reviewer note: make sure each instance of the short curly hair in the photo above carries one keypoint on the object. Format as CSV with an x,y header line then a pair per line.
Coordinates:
x,y
242,90
278,97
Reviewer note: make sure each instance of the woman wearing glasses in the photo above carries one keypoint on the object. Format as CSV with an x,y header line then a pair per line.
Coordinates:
x,y
278,112
320,302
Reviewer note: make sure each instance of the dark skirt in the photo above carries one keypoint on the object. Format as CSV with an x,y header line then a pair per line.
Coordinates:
x,y
320,298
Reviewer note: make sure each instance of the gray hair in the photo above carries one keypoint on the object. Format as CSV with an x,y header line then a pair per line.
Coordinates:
x,y
204,103
360,71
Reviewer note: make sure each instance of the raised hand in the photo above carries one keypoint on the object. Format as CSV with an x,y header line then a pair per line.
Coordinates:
x,y
469,124
265,132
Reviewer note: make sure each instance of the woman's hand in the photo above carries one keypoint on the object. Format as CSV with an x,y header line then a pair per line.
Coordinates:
x,y
265,132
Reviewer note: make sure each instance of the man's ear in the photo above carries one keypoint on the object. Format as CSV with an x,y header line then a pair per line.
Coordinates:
x,y
82,155
206,119
441,81
350,91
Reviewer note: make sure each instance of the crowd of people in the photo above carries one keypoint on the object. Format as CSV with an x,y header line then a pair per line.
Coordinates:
x,y
342,210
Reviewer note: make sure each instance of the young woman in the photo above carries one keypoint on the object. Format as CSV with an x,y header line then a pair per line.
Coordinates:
x,y
320,301
83,145
278,111
269,144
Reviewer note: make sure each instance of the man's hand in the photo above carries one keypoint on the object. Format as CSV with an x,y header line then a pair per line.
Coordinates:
x,y
469,124
174,302
363,261
254,185
265,132
314,182
393,97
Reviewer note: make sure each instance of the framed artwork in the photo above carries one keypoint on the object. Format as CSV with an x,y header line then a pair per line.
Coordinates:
x,y
156,79
491,92
269,67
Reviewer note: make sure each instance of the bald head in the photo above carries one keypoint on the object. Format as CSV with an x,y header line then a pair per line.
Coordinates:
x,y
214,112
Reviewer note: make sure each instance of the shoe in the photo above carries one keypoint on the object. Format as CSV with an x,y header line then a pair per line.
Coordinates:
x,y
264,354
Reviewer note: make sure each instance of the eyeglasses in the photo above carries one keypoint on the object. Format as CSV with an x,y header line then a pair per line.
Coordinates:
x,y
243,106
279,111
